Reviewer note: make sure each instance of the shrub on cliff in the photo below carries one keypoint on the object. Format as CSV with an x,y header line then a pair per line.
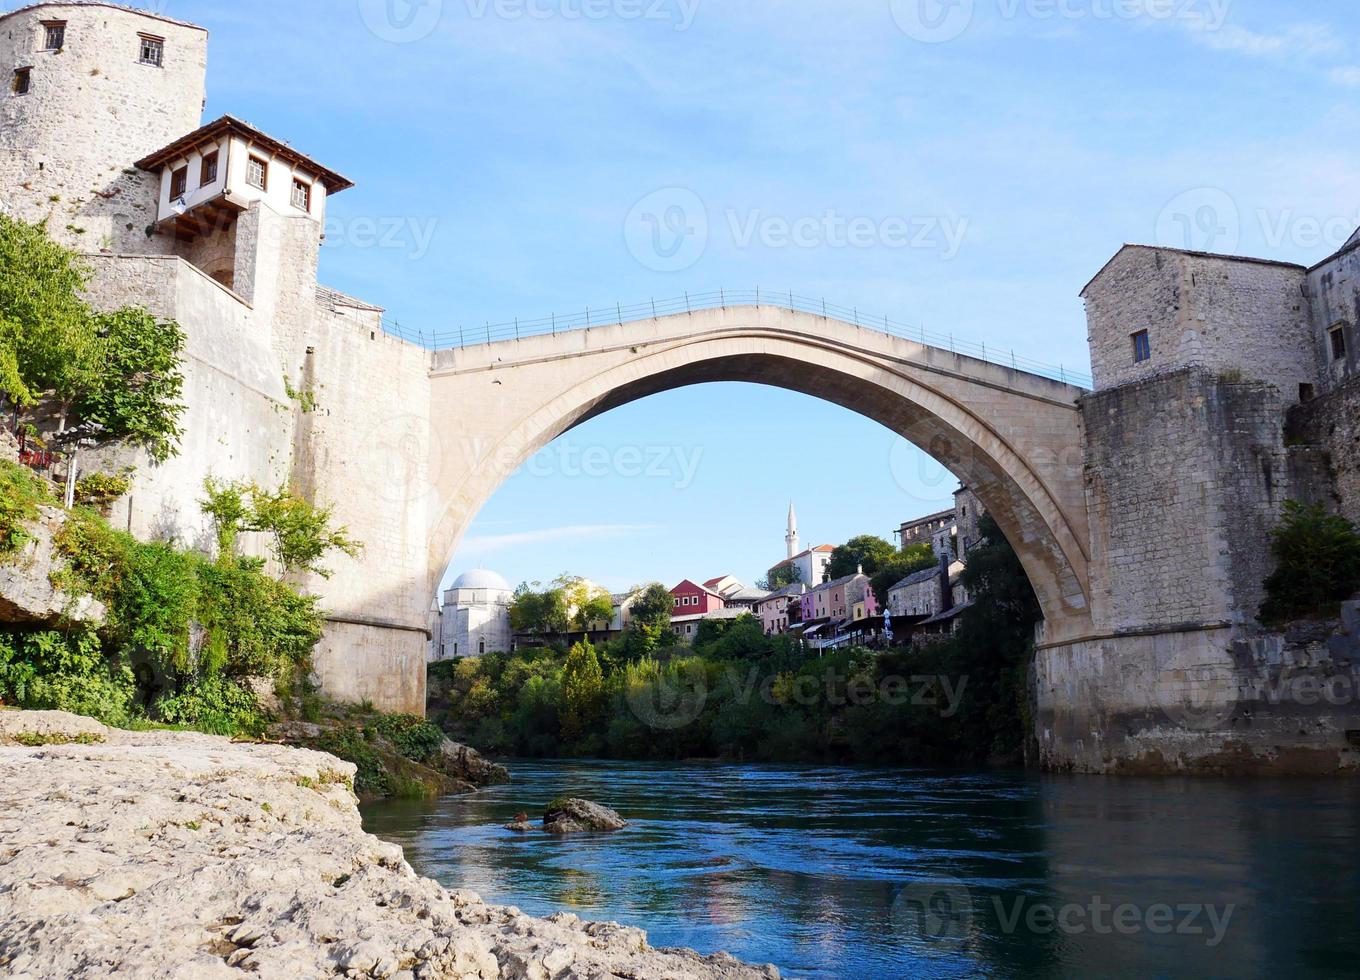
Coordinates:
x,y
1318,565
182,633
21,492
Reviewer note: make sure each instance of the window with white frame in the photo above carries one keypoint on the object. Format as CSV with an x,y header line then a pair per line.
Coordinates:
x,y
302,195
257,173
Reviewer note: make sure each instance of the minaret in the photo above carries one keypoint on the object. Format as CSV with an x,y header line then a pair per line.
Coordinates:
x,y
791,539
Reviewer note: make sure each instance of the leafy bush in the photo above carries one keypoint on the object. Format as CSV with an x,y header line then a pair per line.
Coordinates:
x,y
101,488
351,745
1318,565
51,671
21,492
214,705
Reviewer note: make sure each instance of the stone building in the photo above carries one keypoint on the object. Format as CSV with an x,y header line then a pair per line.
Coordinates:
x,y
1224,386
925,530
475,617
219,227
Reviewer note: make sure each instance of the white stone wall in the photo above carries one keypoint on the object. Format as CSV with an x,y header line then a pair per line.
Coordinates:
x,y
67,148
238,421
1242,318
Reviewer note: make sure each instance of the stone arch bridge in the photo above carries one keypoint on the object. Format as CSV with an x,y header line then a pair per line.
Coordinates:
x,y
1013,437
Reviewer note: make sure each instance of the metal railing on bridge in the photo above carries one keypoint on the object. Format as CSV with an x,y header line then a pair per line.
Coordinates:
x,y
603,316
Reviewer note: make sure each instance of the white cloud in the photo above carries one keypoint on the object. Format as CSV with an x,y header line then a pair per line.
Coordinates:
x,y
489,543
1348,76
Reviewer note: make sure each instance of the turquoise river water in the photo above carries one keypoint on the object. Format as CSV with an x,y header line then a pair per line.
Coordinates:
x,y
866,873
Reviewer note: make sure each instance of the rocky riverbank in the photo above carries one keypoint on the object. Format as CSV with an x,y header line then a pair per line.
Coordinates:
x,y
170,854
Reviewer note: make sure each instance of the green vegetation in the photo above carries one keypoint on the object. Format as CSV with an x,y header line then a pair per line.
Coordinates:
x,y
21,493
395,755
739,694
98,489
568,603
780,576
1318,565
300,533
185,638
107,376
867,551
910,560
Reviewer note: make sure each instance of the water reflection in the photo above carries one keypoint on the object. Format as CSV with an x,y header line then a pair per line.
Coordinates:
x,y
840,872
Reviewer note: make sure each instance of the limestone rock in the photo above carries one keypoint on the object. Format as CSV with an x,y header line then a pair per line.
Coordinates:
x,y
27,596
170,854
9,446
573,816
467,764
520,826
48,728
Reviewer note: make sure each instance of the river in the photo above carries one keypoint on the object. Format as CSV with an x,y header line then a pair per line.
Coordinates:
x,y
867,873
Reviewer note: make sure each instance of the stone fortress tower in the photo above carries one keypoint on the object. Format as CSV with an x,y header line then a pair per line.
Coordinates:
x,y
1224,386
89,88
219,227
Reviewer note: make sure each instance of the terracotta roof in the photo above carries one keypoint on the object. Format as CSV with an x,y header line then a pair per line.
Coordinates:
x,y
335,183
102,3
1198,255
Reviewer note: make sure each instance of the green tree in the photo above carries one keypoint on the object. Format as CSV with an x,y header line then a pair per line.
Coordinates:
x,y
116,374
583,691
649,627
300,533
914,558
1317,558
45,327
785,573
588,603
136,393
534,609
867,550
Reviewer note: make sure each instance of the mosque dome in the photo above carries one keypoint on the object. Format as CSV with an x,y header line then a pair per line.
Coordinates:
x,y
480,578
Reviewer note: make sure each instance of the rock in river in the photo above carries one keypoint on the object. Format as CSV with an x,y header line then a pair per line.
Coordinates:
x,y
573,816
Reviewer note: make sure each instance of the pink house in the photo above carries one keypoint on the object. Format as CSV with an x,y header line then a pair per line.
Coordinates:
x,y
838,600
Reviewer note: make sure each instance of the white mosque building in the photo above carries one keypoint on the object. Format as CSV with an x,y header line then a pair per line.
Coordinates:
x,y
475,618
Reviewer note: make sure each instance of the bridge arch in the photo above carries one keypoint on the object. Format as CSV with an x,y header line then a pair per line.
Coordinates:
x,y
1012,437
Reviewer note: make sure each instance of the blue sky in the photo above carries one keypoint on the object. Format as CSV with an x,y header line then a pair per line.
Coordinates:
x,y
992,154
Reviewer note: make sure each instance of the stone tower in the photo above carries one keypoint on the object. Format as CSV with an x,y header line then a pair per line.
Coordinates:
x,y
90,88
791,538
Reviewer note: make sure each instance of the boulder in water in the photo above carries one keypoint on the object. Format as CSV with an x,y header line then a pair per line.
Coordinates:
x,y
570,815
